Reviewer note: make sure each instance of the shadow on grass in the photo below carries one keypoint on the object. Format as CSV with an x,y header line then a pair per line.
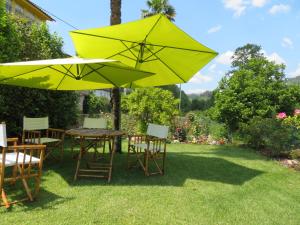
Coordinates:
x,y
179,168
229,151
44,199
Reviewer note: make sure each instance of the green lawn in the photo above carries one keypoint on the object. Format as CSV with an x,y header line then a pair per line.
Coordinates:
x,y
202,185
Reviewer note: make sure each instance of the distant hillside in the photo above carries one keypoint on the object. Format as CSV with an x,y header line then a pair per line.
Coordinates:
x,y
294,80
205,95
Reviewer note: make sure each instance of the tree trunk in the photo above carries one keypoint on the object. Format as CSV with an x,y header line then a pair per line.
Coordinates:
x,y
115,18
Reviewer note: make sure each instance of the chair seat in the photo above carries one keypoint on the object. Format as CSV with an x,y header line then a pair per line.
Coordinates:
x,y
43,140
144,146
11,158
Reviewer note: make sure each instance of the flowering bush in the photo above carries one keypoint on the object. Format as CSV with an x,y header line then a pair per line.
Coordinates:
x,y
180,134
199,129
293,121
268,134
281,115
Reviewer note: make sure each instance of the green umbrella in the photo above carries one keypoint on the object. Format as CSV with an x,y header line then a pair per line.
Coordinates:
x,y
153,44
69,74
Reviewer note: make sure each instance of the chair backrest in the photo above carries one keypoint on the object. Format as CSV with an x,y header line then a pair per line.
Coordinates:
x,y
41,123
94,123
3,138
156,130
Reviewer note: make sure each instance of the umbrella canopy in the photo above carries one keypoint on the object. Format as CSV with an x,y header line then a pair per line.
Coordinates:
x,y
69,74
153,44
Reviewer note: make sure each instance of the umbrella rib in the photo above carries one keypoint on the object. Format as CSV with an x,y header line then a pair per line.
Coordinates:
x,y
94,35
69,71
136,42
130,49
121,52
166,65
93,70
125,68
186,49
150,60
82,69
61,72
61,81
23,73
127,57
152,55
63,77
152,28
100,74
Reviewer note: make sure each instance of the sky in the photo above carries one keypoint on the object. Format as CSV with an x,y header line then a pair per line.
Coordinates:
x,y
222,25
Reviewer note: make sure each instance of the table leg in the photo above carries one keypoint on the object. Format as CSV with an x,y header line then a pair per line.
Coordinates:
x,y
79,157
112,153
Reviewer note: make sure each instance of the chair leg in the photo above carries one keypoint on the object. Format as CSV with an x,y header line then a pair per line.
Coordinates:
x,y
2,192
37,186
4,198
163,164
61,151
27,189
128,158
14,174
147,163
157,166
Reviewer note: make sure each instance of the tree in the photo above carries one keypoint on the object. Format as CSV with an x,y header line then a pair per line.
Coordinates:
x,y
115,18
255,87
151,105
185,101
19,41
159,6
93,104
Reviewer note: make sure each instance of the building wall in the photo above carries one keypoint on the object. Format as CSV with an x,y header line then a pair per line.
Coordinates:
x,y
27,10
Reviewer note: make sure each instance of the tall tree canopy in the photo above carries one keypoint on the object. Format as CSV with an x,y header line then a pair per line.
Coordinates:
x,y
151,105
159,6
255,87
185,101
19,41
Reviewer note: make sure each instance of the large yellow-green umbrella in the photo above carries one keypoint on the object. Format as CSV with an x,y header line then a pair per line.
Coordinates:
x,y
153,44
69,74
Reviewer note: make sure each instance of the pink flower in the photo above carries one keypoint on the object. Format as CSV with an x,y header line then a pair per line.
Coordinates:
x,y
281,115
297,112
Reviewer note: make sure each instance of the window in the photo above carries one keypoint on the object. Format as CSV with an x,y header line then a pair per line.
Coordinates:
x,y
8,6
29,16
19,10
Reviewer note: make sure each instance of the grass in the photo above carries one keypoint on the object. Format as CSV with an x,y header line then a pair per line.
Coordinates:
x,y
202,185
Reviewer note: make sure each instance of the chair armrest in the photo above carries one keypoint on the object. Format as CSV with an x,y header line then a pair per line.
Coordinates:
x,y
56,133
14,141
56,130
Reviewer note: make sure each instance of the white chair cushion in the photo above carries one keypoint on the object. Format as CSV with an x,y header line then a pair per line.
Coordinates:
x,y
156,130
10,159
44,140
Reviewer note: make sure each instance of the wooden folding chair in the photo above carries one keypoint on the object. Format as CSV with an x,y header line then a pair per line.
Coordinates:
x,y
90,142
149,149
25,162
37,131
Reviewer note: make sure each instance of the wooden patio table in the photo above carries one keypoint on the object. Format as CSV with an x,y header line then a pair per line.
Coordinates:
x,y
95,169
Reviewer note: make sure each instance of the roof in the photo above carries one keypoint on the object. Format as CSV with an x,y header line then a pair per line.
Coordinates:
x,y
41,12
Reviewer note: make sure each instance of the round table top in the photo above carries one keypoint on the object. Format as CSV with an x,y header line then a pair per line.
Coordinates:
x,y
84,132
